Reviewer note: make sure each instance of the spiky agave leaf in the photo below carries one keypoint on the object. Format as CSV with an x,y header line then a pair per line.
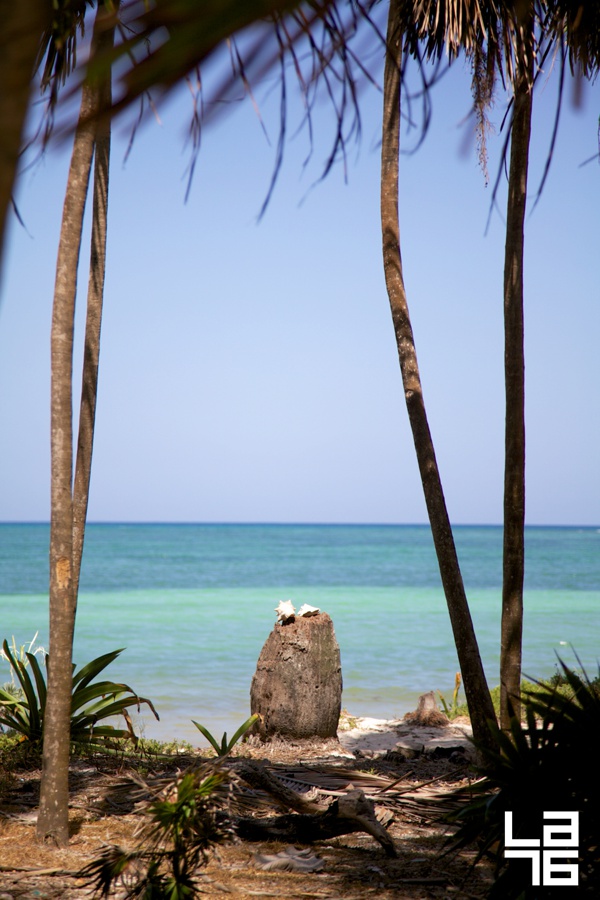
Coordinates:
x,y
96,701
103,689
84,725
40,681
83,676
225,747
209,737
242,730
91,702
24,716
14,714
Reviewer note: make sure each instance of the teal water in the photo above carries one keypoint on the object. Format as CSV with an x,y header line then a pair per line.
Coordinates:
x,y
193,605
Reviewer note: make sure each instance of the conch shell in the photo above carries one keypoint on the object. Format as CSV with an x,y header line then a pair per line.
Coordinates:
x,y
307,610
285,612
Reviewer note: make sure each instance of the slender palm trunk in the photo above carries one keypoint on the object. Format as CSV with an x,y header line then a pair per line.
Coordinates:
x,y
478,696
95,297
53,815
514,375
68,500
23,24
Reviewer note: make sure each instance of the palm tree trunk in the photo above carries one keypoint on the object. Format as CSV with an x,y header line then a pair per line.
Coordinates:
x,y
478,697
23,24
514,375
52,821
68,501
95,297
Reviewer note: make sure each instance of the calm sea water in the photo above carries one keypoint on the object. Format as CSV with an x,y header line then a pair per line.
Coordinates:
x,y
193,605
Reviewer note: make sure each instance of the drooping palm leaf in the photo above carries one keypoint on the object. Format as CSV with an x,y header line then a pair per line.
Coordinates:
x,y
578,21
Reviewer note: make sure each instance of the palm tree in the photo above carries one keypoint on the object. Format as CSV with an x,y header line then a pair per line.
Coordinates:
x,y
511,637
478,695
401,14
577,24
501,35
69,500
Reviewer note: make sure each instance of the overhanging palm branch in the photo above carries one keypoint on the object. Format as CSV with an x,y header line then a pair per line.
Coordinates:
x,y
162,44
578,21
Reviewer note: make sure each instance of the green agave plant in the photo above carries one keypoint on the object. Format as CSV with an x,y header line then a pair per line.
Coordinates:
x,y
226,746
91,702
549,762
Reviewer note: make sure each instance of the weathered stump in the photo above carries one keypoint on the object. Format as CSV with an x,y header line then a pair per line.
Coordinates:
x,y
427,713
297,687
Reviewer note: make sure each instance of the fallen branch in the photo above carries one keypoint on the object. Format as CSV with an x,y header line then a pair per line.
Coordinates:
x,y
346,815
28,871
256,774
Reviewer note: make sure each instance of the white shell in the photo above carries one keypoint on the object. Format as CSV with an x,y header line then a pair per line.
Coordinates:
x,y
307,610
285,611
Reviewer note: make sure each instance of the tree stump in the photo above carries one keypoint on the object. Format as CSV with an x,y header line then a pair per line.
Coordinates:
x,y
427,713
297,687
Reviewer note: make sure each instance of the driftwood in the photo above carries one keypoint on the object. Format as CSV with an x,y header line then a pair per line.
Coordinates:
x,y
310,822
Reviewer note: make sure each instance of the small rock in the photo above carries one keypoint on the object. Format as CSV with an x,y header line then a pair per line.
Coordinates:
x,y
403,752
443,751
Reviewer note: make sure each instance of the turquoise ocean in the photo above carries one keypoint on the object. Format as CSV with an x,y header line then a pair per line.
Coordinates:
x,y
193,605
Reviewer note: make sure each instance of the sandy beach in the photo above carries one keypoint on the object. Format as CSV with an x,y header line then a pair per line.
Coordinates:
x,y
370,754
378,737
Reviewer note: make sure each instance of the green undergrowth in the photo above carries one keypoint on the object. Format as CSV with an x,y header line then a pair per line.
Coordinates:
x,y
556,682
18,755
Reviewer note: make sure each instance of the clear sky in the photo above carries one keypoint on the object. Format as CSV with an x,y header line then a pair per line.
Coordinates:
x,y
249,370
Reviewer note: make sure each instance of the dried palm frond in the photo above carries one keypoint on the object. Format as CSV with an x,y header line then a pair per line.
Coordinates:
x,y
317,784
578,22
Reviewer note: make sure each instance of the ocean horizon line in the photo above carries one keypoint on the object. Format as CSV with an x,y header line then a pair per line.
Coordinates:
x,y
294,524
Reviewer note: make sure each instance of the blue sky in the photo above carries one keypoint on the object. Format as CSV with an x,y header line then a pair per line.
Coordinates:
x,y
249,370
